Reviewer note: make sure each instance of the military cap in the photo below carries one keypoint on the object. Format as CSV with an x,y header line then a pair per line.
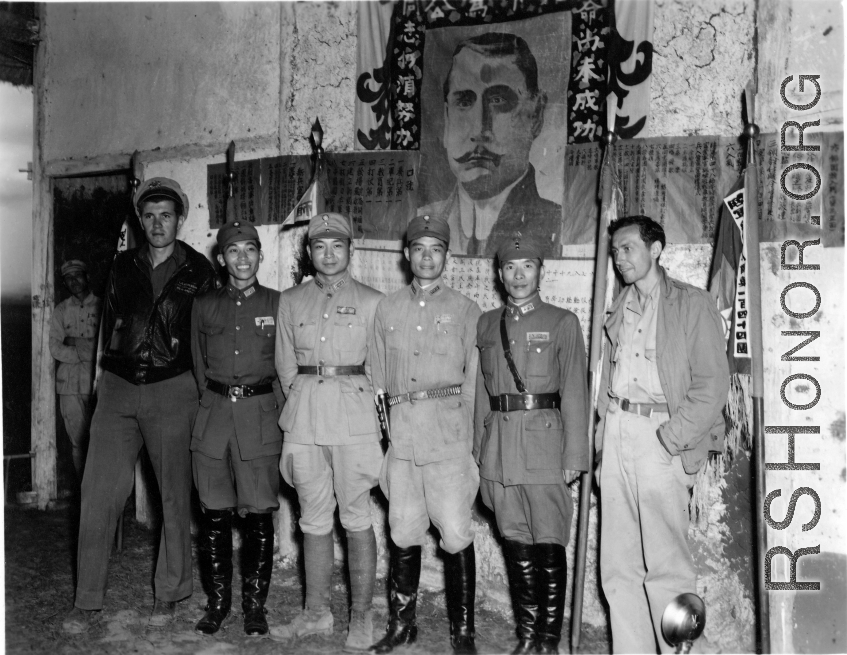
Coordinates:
x,y
160,188
72,266
329,225
237,231
519,246
428,226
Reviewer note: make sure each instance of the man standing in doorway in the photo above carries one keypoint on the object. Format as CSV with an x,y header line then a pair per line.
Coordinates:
x,y
148,396
426,359
236,441
664,383
331,454
531,438
73,343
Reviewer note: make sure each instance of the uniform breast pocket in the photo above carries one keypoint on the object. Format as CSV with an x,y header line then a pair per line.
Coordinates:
x,y
266,334
539,359
447,341
304,335
215,346
651,356
349,333
544,441
394,336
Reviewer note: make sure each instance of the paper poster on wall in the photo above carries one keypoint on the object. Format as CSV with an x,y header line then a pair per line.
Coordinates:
x,y
377,190
680,182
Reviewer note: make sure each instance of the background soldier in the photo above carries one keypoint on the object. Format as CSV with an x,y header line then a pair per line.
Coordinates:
x,y
236,441
426,360
664,383
331,448
73,343
530,438
147,397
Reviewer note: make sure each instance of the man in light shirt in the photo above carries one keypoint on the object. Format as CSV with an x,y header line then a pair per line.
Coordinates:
x,y
664,383
73,343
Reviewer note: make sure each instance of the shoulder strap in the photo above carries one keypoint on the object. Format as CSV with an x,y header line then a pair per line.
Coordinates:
x,y
504,337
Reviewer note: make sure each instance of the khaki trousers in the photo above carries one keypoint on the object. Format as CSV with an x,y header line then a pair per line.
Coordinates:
x,y
644,558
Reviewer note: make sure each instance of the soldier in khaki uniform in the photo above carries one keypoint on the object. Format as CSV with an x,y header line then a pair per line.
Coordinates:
x,y
531,438
425,338
236,442
332,452
73,343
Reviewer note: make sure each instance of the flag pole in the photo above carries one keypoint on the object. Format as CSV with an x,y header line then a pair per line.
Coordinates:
x,y
751,236
607,213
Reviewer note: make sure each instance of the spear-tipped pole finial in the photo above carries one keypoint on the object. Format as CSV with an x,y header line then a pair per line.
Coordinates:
x,y
317,137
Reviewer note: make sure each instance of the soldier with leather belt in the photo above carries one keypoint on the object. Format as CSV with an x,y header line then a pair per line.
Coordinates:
x,y
426,359
530,438
235,441
332,452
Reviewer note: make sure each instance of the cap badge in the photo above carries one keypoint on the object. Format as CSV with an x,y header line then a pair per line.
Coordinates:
x,y
426,218
154,184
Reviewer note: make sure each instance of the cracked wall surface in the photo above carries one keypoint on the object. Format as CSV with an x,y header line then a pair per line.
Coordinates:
x,y
703,57
141,76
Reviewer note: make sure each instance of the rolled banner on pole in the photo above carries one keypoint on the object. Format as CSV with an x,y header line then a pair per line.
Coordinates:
x,y
609,194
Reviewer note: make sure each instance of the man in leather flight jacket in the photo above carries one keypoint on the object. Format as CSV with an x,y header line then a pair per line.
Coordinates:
x,y
147,396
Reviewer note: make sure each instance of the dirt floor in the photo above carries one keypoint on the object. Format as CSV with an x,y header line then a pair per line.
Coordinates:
x,y
39,592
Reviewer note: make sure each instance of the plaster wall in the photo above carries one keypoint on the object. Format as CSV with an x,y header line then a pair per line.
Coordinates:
x,y
158,75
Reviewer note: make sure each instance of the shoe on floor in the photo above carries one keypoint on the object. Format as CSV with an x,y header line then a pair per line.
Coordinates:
x,y
360,632
307,622
79,621
164,611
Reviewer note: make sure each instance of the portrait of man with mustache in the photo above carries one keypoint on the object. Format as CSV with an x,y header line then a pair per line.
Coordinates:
x,y
493,111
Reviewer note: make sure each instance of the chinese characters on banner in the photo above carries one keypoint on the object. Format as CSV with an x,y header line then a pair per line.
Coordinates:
x,y
680,182
735,204
390,79
589,56
377,190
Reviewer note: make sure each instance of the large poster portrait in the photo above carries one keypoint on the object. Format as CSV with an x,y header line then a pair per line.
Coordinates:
x,y
493,110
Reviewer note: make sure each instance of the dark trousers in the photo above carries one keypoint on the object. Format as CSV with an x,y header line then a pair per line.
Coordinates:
x,y
159,416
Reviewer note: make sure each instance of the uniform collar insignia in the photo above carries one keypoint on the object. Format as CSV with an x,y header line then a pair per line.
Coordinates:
x,y
332,287
526,308
430,290
237,293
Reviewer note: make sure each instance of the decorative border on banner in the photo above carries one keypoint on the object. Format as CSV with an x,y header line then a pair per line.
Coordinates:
x,y
413,17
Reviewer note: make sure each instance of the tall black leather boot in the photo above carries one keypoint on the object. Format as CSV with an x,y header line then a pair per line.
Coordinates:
x,y
256,567
520,562
405,575
551,561
460,571
215,560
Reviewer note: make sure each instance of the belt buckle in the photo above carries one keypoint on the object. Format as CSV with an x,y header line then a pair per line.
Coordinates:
x,y
235,393
528,401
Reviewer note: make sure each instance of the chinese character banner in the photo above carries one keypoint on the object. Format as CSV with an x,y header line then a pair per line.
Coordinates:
x,y
377,190
681,183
